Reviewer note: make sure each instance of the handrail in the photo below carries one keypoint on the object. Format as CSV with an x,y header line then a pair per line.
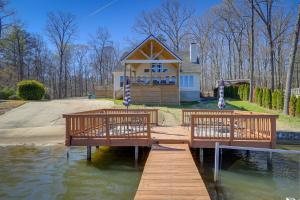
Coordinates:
x,y
153,112
218,147
231,127
107,126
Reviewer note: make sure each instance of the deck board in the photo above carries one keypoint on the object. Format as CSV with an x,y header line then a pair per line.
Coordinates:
x,y
170,173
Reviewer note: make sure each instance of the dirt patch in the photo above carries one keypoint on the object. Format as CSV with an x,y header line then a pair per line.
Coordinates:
x,y
6,106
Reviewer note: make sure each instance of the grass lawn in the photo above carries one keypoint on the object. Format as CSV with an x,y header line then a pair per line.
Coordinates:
x,y
171,115
10,104
284,122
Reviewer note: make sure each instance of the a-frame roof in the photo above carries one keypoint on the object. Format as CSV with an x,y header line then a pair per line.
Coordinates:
x,y
144,41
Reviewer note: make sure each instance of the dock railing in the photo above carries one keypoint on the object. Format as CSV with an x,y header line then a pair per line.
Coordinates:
x,y
187,113
153,112
107,126
237,126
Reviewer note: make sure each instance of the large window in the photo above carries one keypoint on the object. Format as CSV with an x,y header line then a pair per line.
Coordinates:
x,y
158,68
187,81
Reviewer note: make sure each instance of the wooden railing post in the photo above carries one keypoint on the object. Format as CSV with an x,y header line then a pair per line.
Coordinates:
x,y
192,128
68,136
107,127
273,132
231,136
148,128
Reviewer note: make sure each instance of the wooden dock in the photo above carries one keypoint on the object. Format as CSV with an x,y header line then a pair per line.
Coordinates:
x,y
170,173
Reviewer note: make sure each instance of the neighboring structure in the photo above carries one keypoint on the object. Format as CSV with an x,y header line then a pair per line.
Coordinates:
x,y
158,75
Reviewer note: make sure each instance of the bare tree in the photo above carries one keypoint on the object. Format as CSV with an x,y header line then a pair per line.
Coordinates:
x,y
170,21
252,54
61,29
264,9
291,64
145,24
4,13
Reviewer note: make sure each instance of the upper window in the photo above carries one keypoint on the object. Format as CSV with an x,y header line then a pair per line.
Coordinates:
x,y
158,67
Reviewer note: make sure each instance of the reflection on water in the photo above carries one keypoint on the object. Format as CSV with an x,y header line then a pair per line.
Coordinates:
x,y
45,173
246,176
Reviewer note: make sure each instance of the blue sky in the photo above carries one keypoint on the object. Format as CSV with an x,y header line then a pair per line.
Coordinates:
x,y
117,16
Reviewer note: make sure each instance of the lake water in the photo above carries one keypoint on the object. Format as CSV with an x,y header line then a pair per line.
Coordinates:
x,y
247,176
28,172
45,173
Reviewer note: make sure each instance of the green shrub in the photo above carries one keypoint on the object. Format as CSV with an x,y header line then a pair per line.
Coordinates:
x,y
268,98
241,91
14,97
246,92
292,105
298,107
31,90
231,92
274,100
5,93
263,97
256,91
280,100
260,97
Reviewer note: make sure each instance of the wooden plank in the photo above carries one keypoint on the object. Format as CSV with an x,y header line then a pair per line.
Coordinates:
x,y
170,173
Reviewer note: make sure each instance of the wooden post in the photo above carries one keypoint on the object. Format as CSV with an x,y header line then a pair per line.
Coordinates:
x,y
273,132
201,155
216,170
107,128
192,129
269,160
178,82
148,129
89,153
151,81
68,126
136,153
124,81
231,137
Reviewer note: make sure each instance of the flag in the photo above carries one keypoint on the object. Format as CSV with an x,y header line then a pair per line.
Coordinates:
x,y
221,103
127,98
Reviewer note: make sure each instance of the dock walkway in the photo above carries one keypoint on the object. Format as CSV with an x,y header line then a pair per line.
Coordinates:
x,y
170,173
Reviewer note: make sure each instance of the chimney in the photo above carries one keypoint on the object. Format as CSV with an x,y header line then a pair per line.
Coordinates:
x,y
194,53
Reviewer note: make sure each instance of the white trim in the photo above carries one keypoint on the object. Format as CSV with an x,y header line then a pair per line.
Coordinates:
x,y
151,61
159,42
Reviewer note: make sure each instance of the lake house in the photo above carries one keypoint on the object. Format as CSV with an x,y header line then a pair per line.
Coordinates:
x,y
158,75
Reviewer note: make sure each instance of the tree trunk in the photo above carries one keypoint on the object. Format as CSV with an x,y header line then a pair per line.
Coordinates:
x,y
60,76
252,54
271,46
292,56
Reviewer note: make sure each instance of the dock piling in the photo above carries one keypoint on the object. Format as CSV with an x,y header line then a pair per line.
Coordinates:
x,y
216,174
201,155
269,160
89,153
136,153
